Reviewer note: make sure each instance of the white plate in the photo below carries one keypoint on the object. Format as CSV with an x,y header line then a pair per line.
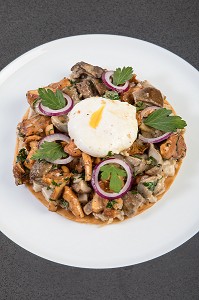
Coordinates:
x,y
166,225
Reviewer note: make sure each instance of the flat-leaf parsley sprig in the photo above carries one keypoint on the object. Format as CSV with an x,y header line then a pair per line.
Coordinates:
x,y
50,99
161,119
113,174
49,151
120,76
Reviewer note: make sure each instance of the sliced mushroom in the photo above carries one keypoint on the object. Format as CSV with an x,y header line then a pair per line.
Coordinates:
x,y
169,167
29,162
58,190
160,187
174,147
71,91
138,147
73,201
99,86
146,187
88,208
154,170
81,187
39,169
81,69
20,174
37,187
61,123
31,97
97,204
52,205
46,193
60,84
131,203
72,149
49,129
83,198
139,164
149,95
112,214
86,88
153,152
33,126
87,165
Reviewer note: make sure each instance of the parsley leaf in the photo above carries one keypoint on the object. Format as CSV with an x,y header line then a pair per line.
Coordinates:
x,y
151,161
110,204
161,119
140,105
134,192
112,95
120,76
22,155
110,153
49,151
52,100
55,183
150,185
113,173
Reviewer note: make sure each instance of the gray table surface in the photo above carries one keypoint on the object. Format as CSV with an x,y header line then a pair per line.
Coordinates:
x,y
173,25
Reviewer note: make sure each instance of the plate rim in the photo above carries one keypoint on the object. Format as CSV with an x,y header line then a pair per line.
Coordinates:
x,y
6,72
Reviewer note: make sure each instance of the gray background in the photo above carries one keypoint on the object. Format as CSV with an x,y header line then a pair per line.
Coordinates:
x,y
173,25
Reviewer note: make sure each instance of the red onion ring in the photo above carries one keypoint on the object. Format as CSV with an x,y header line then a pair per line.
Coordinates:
x,y
126,187
107,81
154,140
57,112
57,137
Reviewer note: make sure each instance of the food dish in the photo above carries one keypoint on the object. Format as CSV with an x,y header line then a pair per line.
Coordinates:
x,y
100,146
165,226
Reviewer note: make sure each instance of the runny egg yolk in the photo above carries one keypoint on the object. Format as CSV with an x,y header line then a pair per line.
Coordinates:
x,y
96,117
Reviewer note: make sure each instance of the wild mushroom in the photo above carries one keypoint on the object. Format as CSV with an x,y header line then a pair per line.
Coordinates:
x,y
73,201
149,95
87,165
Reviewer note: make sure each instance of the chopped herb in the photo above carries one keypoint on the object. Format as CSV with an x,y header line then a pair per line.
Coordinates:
x,y
113,174
49,151
137,156
110,204
150,185
22,155
74,172
20,134
54,167
52,100
50,199
55,183
48,188
120,76
112,95
151,161
73,82
63,203
35,101
140,105
134,192
161,119
110,153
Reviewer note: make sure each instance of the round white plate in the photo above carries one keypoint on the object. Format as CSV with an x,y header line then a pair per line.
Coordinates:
x,y
166,225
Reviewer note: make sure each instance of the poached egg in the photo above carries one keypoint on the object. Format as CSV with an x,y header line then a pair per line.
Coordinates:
x,y
98,125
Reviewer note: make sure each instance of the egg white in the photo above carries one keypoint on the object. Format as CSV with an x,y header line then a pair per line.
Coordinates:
x,y
116,131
